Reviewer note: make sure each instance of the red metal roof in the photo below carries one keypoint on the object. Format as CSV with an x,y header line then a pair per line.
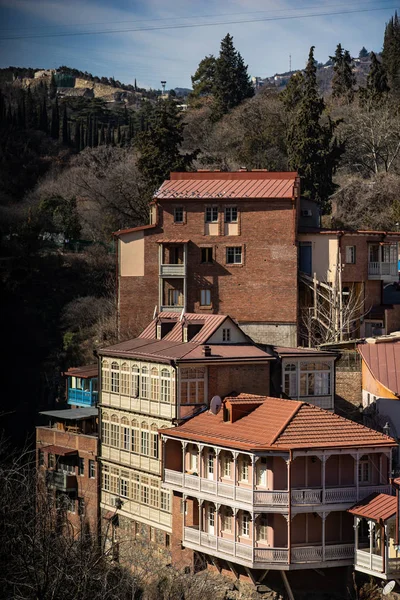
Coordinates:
x,y
210,324
383,360
243,174
238,185
378,507
173,241
279,424
60,450
85,372
130,229
284,351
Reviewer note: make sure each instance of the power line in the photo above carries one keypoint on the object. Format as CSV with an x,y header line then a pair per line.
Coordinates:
x,y
150,20
191,26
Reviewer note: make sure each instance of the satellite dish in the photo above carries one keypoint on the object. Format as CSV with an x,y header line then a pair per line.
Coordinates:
x,y
388,588
215,405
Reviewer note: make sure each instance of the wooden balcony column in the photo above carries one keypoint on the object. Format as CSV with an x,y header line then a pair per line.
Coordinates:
x,y
200,502
199,455
217,465
235,513
323,473
323,516
184,445
254,481
235,455
356,458
217,523
371,528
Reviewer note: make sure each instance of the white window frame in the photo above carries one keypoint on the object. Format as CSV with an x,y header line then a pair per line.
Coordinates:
x,y
145,382
350,255
154,384
244,469
115,375
315,381
193,378
364,470
227,467
231,214
165,386
105,375
262,529
135,374
245,525
290,376
124,379
235,253
211,214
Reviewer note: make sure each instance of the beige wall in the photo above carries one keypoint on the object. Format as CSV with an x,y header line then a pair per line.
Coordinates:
x,y
237,336
324,254
131,254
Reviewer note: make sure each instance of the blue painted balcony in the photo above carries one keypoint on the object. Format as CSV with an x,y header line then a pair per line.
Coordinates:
x,y
82,397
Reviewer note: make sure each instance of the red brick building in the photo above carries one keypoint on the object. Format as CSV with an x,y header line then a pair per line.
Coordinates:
x,y
67,450
218,243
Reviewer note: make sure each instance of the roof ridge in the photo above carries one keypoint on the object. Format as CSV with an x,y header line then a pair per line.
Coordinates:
x,y
299,404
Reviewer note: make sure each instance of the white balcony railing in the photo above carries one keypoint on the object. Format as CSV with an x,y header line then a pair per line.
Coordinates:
x,y
271,498
376,270
365,560
315,554
173,270
205,541
225,491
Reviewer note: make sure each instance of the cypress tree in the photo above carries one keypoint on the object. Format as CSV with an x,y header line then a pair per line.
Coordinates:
x,y
55,121
65,138
377,84
313,149
102,136
135,85
343,81
29,109
53,87
391,53
77,137
43,121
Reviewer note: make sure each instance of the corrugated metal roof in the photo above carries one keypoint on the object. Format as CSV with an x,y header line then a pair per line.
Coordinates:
x,y
210,324
244,351
173,241
285,351
281,425
71,414
227,189
383,360
378,507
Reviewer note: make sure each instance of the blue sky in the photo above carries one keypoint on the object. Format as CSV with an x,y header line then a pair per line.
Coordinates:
x,y
173,53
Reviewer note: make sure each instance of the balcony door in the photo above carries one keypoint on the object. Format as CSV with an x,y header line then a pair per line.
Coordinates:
x,y
211,519
210,466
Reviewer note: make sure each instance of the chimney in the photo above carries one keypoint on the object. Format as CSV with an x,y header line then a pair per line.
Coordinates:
x,y
206,350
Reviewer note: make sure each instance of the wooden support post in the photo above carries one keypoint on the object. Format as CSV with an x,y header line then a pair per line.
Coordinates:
x,y
251,575
287,586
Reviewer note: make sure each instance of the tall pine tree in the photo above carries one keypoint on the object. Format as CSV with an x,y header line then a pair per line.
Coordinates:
x,y
313,149
344,80
377,84
391,53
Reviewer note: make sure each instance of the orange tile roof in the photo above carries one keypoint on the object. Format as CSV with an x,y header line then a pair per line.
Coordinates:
x,y
378,507
279,424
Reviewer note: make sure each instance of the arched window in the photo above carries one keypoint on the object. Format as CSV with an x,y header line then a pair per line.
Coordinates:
x,y
135,381
135,436
105,429
115,377
125,434
154,383
290,380
125,379
105,371
145,382
144,438
154,440
114,431
165,385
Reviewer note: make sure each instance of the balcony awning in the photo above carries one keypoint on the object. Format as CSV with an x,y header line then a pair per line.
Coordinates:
x,y
60,450
378,507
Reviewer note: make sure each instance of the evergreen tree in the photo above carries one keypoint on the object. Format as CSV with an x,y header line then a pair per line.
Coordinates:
x,y
391,53
118,134
135,85
363,53
102,136
77,136
203,81
232,83
377,84
53,87
108,134
29,109
313,149
159,147
95,133
55,121
126,117
344,80
43,120
65,137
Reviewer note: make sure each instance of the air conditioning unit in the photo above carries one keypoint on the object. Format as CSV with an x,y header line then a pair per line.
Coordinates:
x,y
306,213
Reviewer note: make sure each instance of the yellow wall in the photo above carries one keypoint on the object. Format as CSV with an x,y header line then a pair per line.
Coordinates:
x,y
131,254
324,254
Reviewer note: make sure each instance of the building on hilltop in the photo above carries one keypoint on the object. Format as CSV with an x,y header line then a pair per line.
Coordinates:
x,y
265,484
67,449
173,370
217,243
